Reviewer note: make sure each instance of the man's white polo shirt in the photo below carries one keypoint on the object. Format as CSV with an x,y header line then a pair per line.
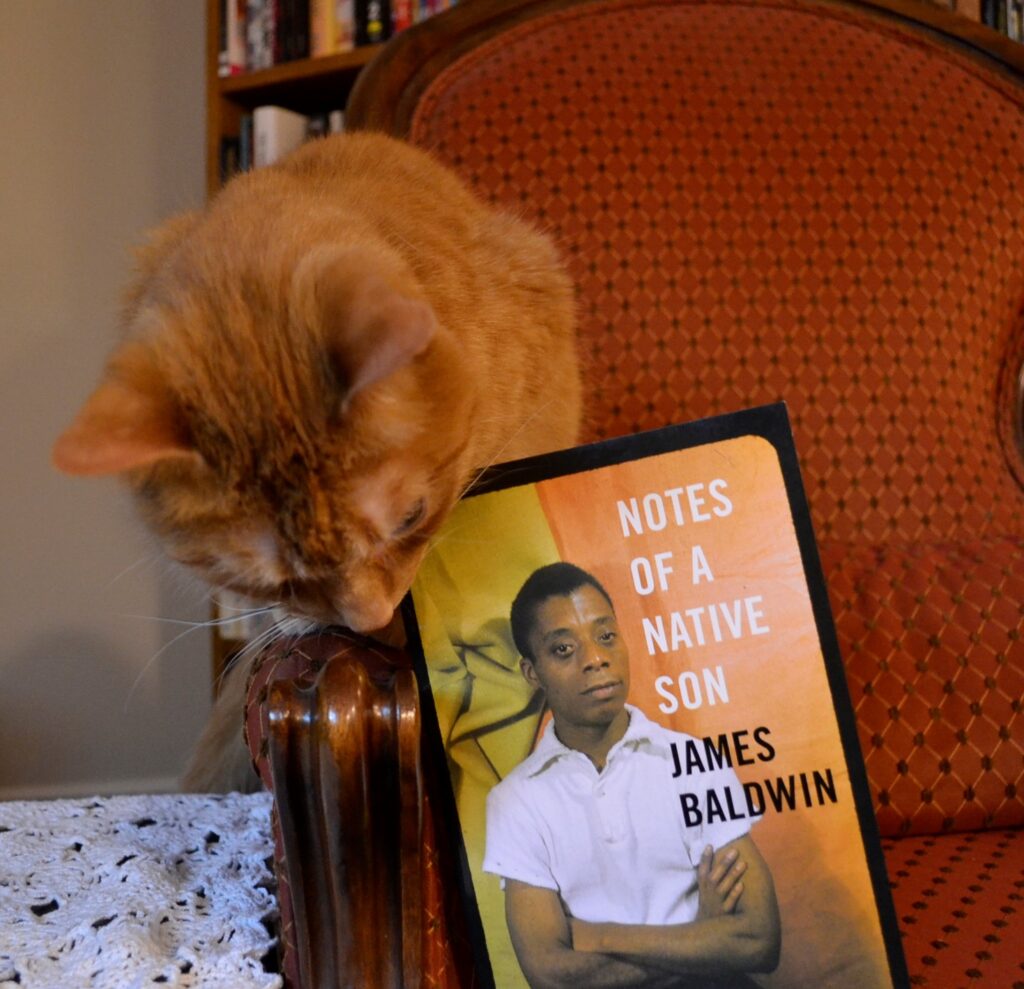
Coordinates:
x,y
613,844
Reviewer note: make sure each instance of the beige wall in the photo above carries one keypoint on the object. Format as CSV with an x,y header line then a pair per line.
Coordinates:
x,y
101,135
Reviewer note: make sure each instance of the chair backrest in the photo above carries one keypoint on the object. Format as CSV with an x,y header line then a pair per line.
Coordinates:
x,y
818,201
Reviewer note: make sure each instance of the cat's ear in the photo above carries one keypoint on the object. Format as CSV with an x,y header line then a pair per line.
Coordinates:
x,y
126,423
371,327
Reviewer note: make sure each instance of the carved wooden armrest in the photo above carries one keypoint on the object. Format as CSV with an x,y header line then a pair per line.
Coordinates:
x,y
371,882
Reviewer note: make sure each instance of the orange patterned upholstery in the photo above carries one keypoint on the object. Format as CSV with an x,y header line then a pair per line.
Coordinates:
x,y
765,199
958,900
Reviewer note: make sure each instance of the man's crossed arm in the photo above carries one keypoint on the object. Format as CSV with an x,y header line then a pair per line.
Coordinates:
x,y
736,930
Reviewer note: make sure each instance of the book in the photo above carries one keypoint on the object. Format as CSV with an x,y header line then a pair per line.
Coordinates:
x,y
372,21
228,158
259,35
291,30
661,596
276,131
331,26
402,15
232,59
245,142
280,19
322,124
1015,20
299,40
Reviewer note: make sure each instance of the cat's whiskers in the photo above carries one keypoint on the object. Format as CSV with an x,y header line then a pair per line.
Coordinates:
x,y
438,538
251,649
285,627
496,458
242,615
239,575
190,627
146,560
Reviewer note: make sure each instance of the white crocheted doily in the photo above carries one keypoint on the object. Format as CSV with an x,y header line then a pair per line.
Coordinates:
x,y
125,892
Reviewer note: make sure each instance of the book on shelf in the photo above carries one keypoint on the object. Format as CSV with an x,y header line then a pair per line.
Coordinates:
x,y
373,21
403,14
276,131
1004,16
322,124
270,132
628,665
331,26
232,38
258,34
296,40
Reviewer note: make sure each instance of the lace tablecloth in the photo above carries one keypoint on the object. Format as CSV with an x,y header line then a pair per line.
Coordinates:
x,y
124,892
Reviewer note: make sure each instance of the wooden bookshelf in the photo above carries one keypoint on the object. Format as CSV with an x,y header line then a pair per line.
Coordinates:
x,y
309,86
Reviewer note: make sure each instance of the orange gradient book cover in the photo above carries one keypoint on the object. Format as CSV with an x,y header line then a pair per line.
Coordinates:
x,y
693,702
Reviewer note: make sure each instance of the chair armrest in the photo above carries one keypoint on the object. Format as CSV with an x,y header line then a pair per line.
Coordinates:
x,y
339,720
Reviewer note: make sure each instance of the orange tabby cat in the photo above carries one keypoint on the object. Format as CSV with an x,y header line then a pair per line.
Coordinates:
x,y
314,366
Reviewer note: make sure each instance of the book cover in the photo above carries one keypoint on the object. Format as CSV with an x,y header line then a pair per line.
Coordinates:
x,y
372,21
402,15
1015,20
259,34
321,19
276,131
627,656
222,40
245,142
235,58
332,26
300,43
344,25
280,15
228,158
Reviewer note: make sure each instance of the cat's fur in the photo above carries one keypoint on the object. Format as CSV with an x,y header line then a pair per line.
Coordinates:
x,y
313,368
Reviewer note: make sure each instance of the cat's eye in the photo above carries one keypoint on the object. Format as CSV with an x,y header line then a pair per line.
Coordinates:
x,y
412,518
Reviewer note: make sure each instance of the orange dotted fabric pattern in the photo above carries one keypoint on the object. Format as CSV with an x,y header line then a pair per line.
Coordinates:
x,y
930,634
960,906
768,200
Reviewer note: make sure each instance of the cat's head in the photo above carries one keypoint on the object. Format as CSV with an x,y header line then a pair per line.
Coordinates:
x,y
295,427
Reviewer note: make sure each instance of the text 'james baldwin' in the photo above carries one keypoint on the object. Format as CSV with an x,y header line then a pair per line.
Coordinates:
x,y
755,797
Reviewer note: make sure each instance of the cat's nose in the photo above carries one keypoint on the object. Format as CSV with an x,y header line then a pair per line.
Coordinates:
x,y
368,616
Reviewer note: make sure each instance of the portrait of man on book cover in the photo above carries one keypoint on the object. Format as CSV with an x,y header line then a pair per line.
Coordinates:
x,y
648,771
611,875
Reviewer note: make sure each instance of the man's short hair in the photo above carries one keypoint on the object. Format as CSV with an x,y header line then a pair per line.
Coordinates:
x,y
554,580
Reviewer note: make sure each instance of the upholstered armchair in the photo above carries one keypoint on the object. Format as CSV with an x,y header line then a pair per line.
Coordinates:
x,y
818,201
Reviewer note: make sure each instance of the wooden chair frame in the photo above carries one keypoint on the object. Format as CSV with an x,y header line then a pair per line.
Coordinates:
x,y
389,89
